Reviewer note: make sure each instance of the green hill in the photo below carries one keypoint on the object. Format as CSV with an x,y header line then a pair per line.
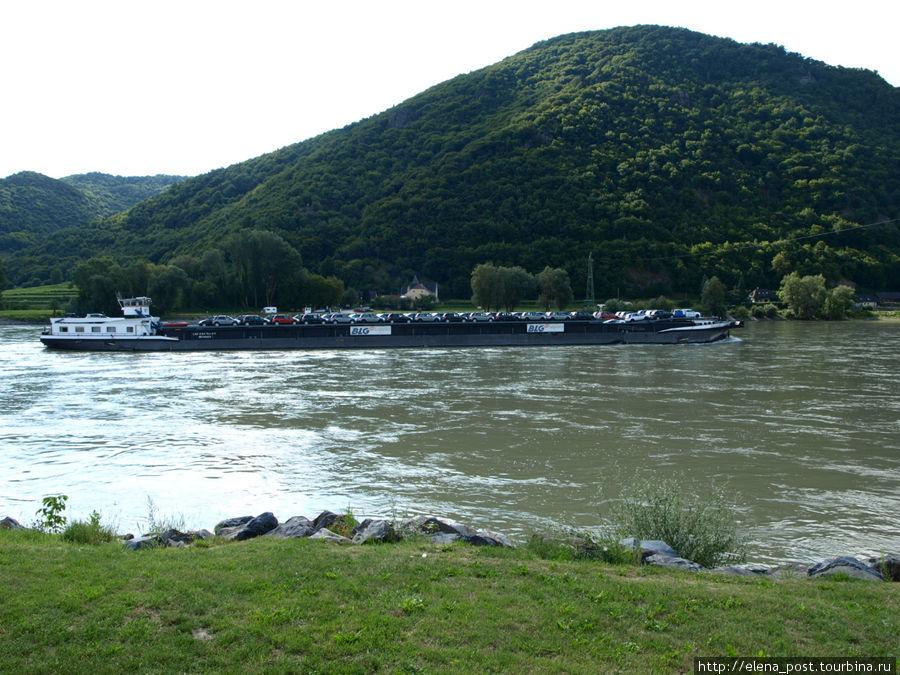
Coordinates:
x,y
33,206
668,154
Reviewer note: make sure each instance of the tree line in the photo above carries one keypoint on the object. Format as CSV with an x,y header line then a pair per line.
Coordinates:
x,y
252,269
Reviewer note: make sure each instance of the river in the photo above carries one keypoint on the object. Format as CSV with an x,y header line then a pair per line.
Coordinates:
x,y
801,421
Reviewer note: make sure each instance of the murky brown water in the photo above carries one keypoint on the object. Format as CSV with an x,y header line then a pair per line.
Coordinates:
x,y
802,420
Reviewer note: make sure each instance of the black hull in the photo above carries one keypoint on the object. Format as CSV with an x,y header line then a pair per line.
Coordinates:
x,y
372,336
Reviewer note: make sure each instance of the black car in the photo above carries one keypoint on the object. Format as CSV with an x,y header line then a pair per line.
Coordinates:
x,y
394,317
582,316
308,318
251,320
450,316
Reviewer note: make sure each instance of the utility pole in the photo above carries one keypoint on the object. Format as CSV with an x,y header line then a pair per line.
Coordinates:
x,y
589,299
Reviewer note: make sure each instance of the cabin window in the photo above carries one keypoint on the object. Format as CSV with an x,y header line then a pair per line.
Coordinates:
x,y
95,329
129,329
63,329
79,329
110,329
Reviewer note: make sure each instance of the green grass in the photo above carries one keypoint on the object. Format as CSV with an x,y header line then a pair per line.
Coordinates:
x,y
305,606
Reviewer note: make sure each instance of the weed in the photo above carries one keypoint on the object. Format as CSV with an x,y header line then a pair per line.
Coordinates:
x,y
90,532
157,523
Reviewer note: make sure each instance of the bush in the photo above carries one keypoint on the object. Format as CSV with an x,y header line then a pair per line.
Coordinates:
x,y
699,528
90,532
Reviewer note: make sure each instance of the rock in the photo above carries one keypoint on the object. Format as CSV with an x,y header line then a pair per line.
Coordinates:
x,y
375,531
788,571
327,535
844,565
750,570
295,527
9,523
429,525
232,524
325,519
662,560
488,538
888,566
649,547
138,543
264,522
173,537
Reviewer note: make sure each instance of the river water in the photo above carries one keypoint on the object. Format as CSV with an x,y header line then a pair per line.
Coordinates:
x,y
800,420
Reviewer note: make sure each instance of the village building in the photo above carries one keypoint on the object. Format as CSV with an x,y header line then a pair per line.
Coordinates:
x,y
417,289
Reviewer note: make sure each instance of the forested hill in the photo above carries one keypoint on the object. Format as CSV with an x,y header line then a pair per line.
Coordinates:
x,y
668,154
33,205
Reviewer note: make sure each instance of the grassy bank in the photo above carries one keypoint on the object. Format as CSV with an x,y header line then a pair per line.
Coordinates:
x,y
304,605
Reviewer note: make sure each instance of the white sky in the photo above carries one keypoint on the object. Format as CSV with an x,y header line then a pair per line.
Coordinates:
x,y
140,87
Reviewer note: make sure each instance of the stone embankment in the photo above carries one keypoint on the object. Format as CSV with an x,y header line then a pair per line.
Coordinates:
x,y
328,526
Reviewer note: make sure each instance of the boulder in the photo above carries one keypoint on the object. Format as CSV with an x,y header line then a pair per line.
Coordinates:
x,y
231,525
750,570
374,531
173,537
295,527
429,525
264,522
649,547
488,538
844,565
662,560
324,519
325,534
9,523
888,566
138,543
788,571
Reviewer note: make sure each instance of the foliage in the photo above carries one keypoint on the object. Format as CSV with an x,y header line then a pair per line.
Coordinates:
x,y
712,298
700,527
555,288
51,513
839,301
88,532
804,296
668,154
498,288
33,206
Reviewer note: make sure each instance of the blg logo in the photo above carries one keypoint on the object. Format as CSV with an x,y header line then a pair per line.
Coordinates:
x,y
359,330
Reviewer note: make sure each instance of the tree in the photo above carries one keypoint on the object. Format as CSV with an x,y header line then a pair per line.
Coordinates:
x,y
168,288
556,288
838,301
263,263
500,287
712,298
804,296
4,283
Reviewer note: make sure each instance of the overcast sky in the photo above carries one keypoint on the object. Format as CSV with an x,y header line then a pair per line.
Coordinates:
x,y
135,87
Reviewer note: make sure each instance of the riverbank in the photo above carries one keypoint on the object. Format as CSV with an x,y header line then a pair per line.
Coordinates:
x,y
413,606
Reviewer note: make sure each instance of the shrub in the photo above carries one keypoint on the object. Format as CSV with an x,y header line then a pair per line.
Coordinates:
x,y
700,528
52,520
90,532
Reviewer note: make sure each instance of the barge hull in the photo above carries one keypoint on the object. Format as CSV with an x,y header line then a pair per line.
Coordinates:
x,y
410,335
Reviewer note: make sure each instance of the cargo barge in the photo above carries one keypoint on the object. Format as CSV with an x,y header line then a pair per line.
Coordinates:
x,y
137,330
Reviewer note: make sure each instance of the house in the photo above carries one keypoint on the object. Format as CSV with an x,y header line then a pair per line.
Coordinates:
x,y
417,289
758,295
